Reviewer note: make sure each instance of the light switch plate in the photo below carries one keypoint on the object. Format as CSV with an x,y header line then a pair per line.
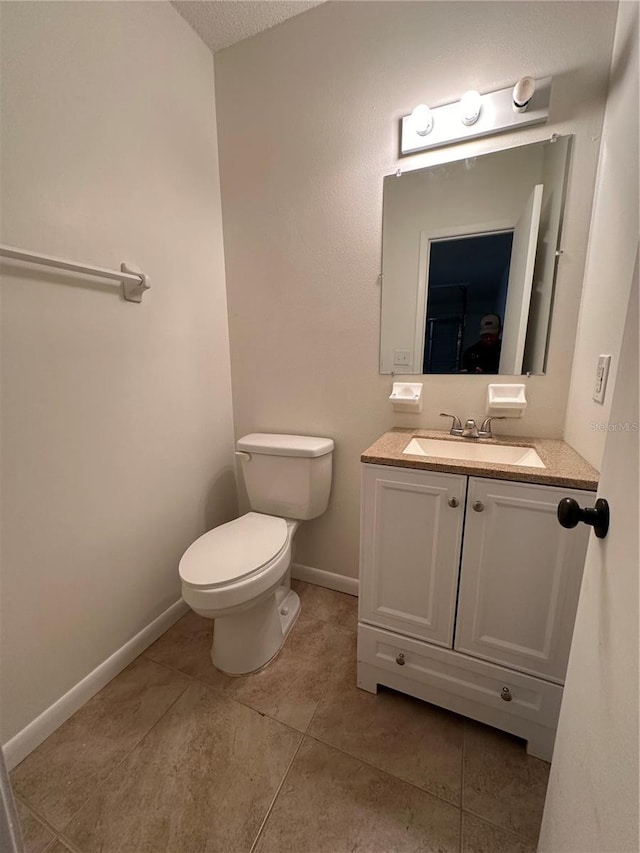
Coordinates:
x,y
602,374
402,356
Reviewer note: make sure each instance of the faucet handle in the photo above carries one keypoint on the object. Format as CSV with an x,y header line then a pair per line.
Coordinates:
x,y
456,426
485,429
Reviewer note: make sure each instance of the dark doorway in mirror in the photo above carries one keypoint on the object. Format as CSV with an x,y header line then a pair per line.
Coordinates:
x,y
468,278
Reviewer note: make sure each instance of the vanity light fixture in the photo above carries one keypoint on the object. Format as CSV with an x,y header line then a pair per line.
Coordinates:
x,y
476,115
470,106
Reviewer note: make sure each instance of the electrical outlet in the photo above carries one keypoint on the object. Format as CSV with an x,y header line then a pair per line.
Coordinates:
x,y
602,374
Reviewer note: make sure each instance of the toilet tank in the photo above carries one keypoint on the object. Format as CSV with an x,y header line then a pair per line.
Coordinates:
x,y
287,475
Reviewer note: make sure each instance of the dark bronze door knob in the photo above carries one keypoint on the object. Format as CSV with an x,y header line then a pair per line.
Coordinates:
x,y
570,513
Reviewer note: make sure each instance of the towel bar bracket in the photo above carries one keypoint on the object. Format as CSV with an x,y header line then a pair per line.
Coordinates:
x,y
131,290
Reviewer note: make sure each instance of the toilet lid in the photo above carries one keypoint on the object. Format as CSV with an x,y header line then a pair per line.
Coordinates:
x,y
233,550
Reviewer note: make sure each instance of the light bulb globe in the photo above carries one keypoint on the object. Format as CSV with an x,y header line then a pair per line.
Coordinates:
x,y
470,106
422,119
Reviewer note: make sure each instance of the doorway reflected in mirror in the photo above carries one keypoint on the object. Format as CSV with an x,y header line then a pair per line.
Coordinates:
x,y
468,279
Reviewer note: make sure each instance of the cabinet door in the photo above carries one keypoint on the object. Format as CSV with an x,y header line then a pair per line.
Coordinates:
x,y
410,550
520,576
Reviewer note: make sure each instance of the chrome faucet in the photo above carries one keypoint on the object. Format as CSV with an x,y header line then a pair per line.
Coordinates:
x,y
471,429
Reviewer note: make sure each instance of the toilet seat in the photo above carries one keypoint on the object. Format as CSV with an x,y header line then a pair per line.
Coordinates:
x,y
234,551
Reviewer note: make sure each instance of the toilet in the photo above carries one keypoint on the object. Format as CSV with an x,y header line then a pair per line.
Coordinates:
x,y
238,573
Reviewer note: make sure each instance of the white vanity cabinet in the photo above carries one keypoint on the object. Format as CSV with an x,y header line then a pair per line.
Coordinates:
x,y
468,594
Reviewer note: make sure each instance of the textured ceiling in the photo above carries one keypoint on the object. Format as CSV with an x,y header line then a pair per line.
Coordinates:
x,y
221,23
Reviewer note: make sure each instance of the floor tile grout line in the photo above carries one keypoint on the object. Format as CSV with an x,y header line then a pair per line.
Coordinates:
x,y
37,816
306,731
493,825
57,833
313,716
442,799
60,833
44,820
34,810
519,835
224,695
382,770
19,798
121,762
41,819
333,624
60,836
277,793
189,676
329,621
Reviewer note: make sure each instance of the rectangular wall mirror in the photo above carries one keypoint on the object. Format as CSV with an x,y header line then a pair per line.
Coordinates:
x,y
469,262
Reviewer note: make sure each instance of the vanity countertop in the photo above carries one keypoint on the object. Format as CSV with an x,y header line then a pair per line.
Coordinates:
x,y
563,466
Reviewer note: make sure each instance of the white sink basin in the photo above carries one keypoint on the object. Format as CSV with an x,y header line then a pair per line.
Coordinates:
x,y
475,451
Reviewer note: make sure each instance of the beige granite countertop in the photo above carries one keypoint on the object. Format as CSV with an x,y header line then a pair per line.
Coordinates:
x,y
563,466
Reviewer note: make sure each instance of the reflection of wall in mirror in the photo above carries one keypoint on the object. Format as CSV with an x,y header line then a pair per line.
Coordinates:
x,y
553,168
480,192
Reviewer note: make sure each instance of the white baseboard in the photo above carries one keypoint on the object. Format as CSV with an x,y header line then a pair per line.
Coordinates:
x,y
48,721
341,583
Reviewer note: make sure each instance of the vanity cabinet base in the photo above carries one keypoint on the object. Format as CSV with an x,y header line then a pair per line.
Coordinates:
x,y
523,705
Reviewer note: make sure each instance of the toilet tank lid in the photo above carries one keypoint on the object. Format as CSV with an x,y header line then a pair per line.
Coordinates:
x,y
272,444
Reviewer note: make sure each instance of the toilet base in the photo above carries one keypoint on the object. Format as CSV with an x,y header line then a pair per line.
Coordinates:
x,y
247,640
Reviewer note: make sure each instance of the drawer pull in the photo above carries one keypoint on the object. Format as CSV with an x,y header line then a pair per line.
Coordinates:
x,y
478,506
506,694
454,502
400,659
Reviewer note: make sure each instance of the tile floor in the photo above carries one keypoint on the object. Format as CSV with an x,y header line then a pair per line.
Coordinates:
x,y
174,756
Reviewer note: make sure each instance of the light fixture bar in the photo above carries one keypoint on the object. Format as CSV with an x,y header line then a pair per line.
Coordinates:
x,y
496,115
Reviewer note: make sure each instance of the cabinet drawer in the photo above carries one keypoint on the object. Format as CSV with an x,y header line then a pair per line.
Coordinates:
x,y
460,683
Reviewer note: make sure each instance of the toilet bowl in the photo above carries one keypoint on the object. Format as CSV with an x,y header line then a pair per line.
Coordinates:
x,y
238,573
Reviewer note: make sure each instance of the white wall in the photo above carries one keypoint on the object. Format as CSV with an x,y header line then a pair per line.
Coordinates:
x,y
612,246
117,426
308,124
